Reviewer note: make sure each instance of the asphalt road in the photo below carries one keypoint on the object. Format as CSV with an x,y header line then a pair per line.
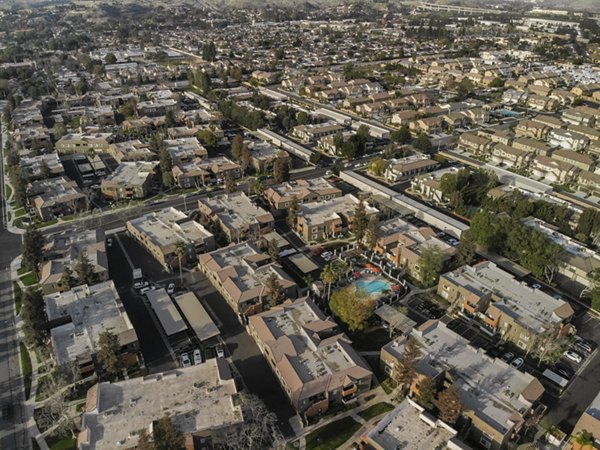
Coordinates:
x,y
13,433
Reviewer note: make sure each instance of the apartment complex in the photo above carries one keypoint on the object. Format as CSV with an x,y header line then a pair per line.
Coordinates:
x,y
160,231
82,143
129,180
200,400
282,195
314,361
236,216
240,272
329,218
517,312
496,397
76,319
56,197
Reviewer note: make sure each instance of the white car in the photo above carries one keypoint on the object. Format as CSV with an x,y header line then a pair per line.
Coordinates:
x,y
171,288
109,242
220,352
517,363
185,360
197,357
573,356
140,284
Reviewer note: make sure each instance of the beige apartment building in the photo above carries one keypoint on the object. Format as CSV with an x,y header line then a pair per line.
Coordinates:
x,y
129,180
282,195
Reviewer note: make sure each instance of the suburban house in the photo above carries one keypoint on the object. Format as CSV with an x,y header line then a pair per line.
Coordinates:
x,y
569,140
510,156
579,160
134,150
474,143
427,185
553,170
399,169
282,195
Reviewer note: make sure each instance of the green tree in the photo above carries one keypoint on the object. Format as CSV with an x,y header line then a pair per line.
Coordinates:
x,y
21,190
208,139
584,439
67,280
275,291
59,130
422,143
108,354
378,166
353,306
427,390
236,147
35,321
281,170
166,436
229,183
292,212
33,248
488,230
466,249
405,371
430,265
449,405
110,58
85,270
359,222
273,250
144,441
209,51
245,158
179,250
372,232
401,136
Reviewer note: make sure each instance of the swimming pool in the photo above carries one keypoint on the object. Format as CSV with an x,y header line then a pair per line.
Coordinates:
x,y
376,286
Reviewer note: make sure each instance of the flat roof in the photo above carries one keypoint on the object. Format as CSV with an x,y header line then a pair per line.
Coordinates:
x,y
197,316
167,313
303,262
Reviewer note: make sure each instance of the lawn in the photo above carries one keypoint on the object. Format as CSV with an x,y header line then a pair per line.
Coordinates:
x,y
61,443
20,212
26,368
8,191
29,279
18,294
375,410
332,435
47,223
371,338
23,270
41,392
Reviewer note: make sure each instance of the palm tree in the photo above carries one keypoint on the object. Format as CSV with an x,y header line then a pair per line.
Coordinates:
x,y
584,439
180,248
329,276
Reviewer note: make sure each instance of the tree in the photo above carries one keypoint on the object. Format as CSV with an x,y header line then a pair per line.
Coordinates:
x,y
21,190
422,143
431,264
466,249
273,250
405,371
166,436
33,248
275,291
67,280
258,187
108,354
427,391
449,405
33,314
170,119
57,410
292,212
208,138
85,270
110,58
359,222
372,232
165,160
593,290
353,306
401,136
59,130
245,158
584,439
144,441
179,250
236,147
377,166
209,51
229,182
281,169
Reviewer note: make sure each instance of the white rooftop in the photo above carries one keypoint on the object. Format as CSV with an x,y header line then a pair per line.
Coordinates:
x,y
165,310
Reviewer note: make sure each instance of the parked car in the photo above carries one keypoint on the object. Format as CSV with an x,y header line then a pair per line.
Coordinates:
x,y
574,356
185,360
453,242
564,371
109,242
536,286
220,352
584,344
171,288
507,357
197,356
140,284
517,363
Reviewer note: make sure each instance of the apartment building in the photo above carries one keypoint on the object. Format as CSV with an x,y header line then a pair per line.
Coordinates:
x,y
185,395
531,145
553,170
399,169
56,197
77,318
240,272
590,420
40,167
160,231
497,399
579,160
129,180
569,140
322,220
263,156
474,143
579,116
236,216
82,143
510,156
515,311
532,129
134,150
427,185
313,360
282,195
310,133
185,149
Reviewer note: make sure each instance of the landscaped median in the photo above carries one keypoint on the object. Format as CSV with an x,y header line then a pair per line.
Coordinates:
x,y
26,368
18,295
29,279
332,435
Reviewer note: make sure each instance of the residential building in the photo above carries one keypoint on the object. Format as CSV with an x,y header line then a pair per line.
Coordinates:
x,y
129,180
531,146
160,232
517,312
40,167
310,133
134,150
510,156
313,360
282,195
236,216
185,149
409,426
77,318
185,395
240,273
553,170
532,129
569,140
64,250
496,398
322,220
579,116
56,197
579,160
427,185
263,156
83,143
201,172
589,182
474,143
590,420
399,169
548,120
